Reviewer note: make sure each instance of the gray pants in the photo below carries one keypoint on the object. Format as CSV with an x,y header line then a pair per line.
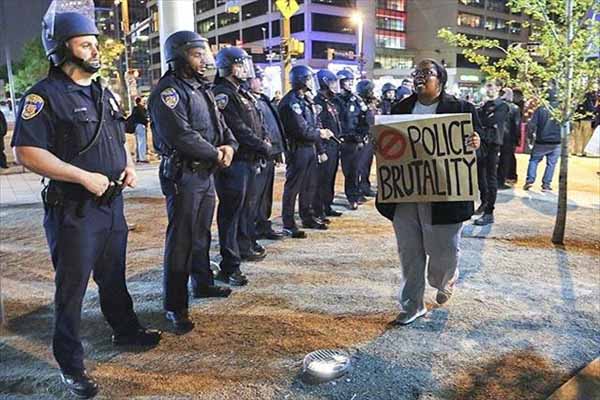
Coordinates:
x,y
420,246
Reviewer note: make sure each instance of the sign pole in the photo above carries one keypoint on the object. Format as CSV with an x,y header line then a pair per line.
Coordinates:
x,y
286,61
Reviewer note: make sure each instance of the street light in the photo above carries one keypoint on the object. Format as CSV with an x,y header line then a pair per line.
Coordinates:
x,y
358,20
264,31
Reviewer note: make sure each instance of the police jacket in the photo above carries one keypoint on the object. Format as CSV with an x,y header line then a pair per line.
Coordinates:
x,y
353,112
494,118
328,115
81,125
386,106
273,126
299,120
3,125
185,118
243,118
441,212
545,129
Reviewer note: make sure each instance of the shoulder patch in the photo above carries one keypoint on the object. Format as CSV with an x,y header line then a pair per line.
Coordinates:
x,y
170,97
32,107
222,100
297,109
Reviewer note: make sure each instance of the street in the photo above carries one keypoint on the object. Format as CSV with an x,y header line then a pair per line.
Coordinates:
x,y
524,319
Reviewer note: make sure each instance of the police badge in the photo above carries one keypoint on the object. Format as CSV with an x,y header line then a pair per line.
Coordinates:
x,y
222,100
32,107
297,109
170,97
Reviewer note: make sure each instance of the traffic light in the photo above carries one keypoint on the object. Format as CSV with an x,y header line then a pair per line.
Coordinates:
x,y
296,47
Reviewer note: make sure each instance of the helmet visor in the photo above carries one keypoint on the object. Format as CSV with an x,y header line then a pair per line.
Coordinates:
x,y
246,70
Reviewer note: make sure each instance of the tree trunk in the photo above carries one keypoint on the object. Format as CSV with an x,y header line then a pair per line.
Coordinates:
x,y
558,236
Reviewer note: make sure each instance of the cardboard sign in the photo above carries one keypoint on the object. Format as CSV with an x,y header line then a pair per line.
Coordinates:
x,y
425,158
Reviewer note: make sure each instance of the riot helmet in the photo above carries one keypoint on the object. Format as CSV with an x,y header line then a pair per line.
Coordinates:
x,y
177,56
346,78
328,81
365,89
227,59
302,77
388,91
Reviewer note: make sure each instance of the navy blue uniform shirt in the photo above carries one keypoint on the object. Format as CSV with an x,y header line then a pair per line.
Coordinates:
x,y
185,118
62,117
299,119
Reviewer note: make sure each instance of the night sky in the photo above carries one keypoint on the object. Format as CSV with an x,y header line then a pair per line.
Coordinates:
x,y
23,21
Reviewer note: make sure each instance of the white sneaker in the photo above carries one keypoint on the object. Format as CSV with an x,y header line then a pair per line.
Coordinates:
x,y
405,318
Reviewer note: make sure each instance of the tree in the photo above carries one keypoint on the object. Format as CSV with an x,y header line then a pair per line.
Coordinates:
x,y
33,66
110,52
563,32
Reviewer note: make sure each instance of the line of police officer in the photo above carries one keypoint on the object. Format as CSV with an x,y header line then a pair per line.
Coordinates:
x,y
224,137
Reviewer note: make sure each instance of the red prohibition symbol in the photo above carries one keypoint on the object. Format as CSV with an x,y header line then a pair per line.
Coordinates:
x,y
391,144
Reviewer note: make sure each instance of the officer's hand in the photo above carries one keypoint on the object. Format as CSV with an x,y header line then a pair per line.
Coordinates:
x,y
226,155
129,177
474,141
95,183
325,133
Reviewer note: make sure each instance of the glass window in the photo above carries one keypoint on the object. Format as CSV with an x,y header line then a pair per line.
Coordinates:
x,y
515,28
297,23
470,20
231,38
398,5
498,6
472,3
391,24
156,58
332,23
337,3
226,18
255,33
462,62
204,5
342,50
495,24
206,25
275,26
155,42
255,9
390,39
388,62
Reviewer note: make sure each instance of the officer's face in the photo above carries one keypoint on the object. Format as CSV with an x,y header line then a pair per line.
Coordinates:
x,y
86,48
197,59
256,85
390,94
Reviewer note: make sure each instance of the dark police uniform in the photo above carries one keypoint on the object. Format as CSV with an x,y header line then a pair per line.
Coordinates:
x,y
266,178
367,152
186,121
62,117
327,171
236,185
301,133
353,112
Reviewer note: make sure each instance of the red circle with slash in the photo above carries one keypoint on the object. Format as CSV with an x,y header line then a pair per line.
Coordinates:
x,y
391,144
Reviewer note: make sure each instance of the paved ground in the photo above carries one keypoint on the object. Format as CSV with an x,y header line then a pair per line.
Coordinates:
x,y
525,318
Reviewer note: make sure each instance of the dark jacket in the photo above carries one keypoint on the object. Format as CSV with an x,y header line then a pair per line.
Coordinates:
x,y
386,106
451,212
297,113
494,118
139,115
545,129
3,125
275,133
243,118
512,135
353,117
185,118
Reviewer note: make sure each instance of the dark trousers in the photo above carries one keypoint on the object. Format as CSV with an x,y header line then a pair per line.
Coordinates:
x,y
235,187
2,155
364,168
190,208
300,181
507,164
487,170
350,156
326,173
264,204
95,242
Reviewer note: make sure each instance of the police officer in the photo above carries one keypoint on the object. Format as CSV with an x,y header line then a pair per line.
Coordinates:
x,y
266,176
388,93
299,120
327,169
365,89
71,130
236,185
352,111
193,141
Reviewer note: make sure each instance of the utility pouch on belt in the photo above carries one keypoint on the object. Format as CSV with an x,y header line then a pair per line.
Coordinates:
x,y
52,195
172,166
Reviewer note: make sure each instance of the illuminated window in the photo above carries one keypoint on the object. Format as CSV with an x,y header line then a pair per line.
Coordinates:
x,y
390,39
495,24
226,18
343,51
470,20
390,24
515,28
398,5
389,62
206,25
472,3
203,6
